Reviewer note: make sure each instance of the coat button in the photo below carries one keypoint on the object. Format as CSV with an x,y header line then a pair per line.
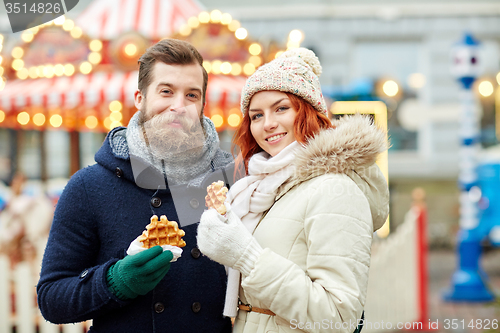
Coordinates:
x,y
156,202
159,307
195,253
194,203
119,172
196,307
85,272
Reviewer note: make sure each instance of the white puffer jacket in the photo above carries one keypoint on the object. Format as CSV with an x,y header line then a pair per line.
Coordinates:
x,y
313,272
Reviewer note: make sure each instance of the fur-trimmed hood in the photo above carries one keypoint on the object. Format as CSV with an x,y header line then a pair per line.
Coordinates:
x,y
352,149
353,144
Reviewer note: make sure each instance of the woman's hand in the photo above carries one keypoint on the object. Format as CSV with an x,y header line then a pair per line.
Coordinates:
x,y
226,240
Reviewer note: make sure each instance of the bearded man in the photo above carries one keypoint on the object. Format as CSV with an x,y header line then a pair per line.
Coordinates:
x,y
161,164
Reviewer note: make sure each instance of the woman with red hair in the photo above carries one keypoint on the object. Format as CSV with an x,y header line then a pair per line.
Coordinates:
x,y
297,233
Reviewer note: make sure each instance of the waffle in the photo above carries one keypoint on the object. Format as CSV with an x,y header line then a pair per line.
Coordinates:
x,y
216,195
163,232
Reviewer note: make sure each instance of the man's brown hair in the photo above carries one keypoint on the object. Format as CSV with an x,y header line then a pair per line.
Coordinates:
x,y
170,52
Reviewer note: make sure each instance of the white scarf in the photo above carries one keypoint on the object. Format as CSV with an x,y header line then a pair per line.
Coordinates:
x,y
251,196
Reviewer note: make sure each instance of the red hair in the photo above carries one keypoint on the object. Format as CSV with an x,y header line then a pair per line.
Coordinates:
x,y
307,124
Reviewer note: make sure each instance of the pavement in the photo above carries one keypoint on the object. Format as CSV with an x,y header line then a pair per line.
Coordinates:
x,y
469,317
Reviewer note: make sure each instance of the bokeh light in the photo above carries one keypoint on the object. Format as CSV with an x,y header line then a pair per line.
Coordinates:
x,y
116,116
91,122
59,70
255,60
39,119
217,120
23,118
95,45
485,88
241,33
390,88
60,20
76,32
17,52
193,22
130,49
56,120
94,58
107,123
115,106
69,69
17,64
23,73
255,49
207,65
27,36
216,66
226,19
248,69
215,16
204,17
48,71
33,72
233,120
68,25
234,25
185,30
225,68
85,67
296,36
236,69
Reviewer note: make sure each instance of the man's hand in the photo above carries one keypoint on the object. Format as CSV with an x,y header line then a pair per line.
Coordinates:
x,y
138,274
227,241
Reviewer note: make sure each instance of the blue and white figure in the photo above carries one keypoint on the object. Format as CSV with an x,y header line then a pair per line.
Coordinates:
x,y
465,68
489,204
468,281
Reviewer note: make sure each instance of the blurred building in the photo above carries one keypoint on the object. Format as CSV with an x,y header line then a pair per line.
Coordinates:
x,y
409,43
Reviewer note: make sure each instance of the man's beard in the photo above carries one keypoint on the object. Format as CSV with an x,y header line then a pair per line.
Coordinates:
x,y
166,140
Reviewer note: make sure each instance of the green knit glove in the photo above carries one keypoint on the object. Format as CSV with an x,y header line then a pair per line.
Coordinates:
x,y
138,274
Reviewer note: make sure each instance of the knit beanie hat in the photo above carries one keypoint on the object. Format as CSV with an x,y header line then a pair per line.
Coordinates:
x,y
295,71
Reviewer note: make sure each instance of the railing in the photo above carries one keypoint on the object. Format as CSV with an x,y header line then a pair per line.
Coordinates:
x,y
397,295
18,302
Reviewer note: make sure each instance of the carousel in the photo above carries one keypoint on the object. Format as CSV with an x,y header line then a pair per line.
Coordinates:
x,y
79,77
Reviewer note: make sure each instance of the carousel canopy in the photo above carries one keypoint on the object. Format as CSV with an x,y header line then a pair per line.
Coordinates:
x,y
154,19
98,88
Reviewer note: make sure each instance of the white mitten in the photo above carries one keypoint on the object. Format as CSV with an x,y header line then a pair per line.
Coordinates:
x,y
227,241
